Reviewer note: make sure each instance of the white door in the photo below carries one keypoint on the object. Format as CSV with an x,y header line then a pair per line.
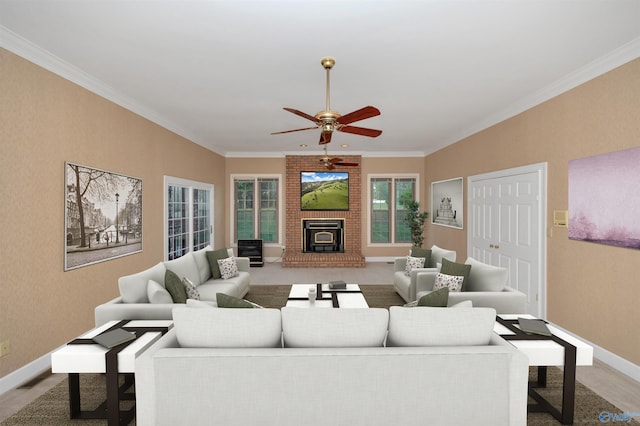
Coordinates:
x,y
507,227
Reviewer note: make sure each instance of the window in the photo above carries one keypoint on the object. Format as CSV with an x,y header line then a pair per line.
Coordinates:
x,y
387,210
188,216
256,208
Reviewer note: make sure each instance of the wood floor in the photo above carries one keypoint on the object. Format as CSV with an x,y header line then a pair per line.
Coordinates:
x,y
619,389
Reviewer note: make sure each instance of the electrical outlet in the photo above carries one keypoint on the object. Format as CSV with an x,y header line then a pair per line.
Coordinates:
x,y
5,348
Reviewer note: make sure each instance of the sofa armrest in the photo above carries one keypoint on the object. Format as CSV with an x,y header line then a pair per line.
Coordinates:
x,y
243,264
116,310
145,378
399,264
425,280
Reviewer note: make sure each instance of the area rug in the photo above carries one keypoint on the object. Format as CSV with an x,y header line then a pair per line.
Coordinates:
x,y
52,408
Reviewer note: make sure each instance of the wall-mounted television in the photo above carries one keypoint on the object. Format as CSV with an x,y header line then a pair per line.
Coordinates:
x,y
324,191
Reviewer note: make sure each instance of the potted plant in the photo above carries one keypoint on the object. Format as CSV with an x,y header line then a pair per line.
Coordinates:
x,y
415,219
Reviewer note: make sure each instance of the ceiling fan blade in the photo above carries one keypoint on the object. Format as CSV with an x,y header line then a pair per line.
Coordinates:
x,y
372,133
329,166
361,114
294,130
346,164
325,138
302,114
335,160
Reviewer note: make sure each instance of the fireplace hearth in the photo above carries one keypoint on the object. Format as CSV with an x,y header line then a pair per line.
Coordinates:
x,y
323,235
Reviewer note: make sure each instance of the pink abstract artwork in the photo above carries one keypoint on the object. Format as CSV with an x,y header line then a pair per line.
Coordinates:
x,y
604,199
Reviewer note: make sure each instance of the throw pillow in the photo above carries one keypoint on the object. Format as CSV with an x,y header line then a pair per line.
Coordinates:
x,y
174,286
226,301
191,289
157,293
421,252
213,256
228,268
436,299
458,269
452,281
413,263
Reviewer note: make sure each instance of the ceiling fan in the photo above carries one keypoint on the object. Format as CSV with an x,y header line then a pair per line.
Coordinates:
x,y
331,163
329,120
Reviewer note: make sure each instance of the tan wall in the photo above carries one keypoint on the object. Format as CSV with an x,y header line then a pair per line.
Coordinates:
x,y
45,121
592,289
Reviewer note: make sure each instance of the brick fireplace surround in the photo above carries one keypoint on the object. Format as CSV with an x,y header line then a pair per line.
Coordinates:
x,y
294,256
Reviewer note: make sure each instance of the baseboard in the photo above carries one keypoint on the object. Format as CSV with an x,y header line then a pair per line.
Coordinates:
x,y
624,366
26,373
385,259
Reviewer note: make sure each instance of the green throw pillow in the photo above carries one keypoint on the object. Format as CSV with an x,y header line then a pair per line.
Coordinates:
x,y
436,299
213,256
422,252
456,269
226,301
174,286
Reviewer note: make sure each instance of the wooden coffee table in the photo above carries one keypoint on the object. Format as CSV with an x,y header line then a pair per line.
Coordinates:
x,y
82,355
351,297
560,349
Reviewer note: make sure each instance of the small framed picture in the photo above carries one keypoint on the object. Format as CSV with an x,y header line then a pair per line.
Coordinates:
x,y
447,203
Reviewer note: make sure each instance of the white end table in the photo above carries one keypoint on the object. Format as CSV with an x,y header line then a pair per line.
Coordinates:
x,y
82,355
560,349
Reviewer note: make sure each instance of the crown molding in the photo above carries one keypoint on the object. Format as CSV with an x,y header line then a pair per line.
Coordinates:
x,y
33,53
620,56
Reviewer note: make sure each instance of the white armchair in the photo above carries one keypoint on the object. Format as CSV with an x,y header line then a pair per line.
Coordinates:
x,y
487,287
405,285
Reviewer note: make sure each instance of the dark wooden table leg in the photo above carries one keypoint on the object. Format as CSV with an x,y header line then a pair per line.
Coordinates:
x,y
74,395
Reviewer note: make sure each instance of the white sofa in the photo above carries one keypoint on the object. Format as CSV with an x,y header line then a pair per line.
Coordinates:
x,y
487,287
405,285
331,367
135,289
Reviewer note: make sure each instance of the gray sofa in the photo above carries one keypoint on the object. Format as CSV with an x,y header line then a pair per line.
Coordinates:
x,y
141,299
487,287
331,367
405,285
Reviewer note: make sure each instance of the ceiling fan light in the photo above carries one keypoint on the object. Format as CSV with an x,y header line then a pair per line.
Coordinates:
x,y
327,127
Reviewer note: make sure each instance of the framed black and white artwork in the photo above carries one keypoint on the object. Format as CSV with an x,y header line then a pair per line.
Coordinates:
x,y
103,215
447,203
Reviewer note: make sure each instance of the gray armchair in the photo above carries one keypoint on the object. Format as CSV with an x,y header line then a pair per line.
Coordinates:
x,y
405,285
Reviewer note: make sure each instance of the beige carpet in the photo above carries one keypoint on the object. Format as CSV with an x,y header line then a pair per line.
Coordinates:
x,y
52,408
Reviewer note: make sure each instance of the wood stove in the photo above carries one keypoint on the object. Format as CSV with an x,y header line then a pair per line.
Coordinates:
x,y
323,235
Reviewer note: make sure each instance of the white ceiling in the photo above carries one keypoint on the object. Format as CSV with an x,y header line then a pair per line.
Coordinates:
x,y
219,72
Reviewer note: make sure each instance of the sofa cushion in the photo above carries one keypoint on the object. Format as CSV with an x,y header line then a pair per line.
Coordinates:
x,y
327,328
191,289
422,252
425,326
458,269
226,301
212,257
436,299
227,328
193,303
185,266
157,293
453,282
228,268
133,288
413,263
174,286
204,270
438,253
485,277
